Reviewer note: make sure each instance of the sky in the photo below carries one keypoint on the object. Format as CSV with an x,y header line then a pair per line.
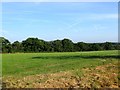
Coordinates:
x,y
60,0
81,21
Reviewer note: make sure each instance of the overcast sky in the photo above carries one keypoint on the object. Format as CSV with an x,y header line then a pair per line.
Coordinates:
x,y
88,22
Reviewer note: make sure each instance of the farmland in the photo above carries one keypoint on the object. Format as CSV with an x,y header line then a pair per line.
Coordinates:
x,y
67,69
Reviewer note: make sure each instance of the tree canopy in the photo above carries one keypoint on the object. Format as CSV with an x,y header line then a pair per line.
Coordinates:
x,y
65,45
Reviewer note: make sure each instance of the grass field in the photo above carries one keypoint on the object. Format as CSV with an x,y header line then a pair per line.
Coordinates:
x,y
19,65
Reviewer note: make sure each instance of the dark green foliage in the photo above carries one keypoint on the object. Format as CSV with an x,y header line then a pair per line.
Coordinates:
x,y
68,45
95,47
33,45
17,47
47,47
108,46
58,46
82,46
6,45
65,45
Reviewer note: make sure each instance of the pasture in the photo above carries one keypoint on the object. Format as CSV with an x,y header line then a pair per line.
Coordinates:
x,y
19,65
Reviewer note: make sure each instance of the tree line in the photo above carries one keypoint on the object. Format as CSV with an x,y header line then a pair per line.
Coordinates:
x,y
65,45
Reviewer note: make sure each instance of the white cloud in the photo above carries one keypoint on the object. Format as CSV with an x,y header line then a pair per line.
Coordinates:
x,y
99,27
37,3
69,26
103,16
92,17
97,17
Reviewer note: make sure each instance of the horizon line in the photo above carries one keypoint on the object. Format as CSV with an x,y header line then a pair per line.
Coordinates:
x,y
58,39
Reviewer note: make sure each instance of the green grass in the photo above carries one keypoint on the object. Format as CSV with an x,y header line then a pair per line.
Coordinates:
x,y
24,64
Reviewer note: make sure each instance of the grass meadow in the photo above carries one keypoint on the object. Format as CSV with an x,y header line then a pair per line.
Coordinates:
x,y
58,66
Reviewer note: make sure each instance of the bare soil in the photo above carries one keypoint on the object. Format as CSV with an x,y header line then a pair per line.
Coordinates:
x,y
104,76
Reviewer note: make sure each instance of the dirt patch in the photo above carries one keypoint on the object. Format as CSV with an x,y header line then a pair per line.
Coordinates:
x,y
105,76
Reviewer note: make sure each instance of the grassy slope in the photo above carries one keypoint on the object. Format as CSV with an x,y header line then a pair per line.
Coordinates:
x,y
24,64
